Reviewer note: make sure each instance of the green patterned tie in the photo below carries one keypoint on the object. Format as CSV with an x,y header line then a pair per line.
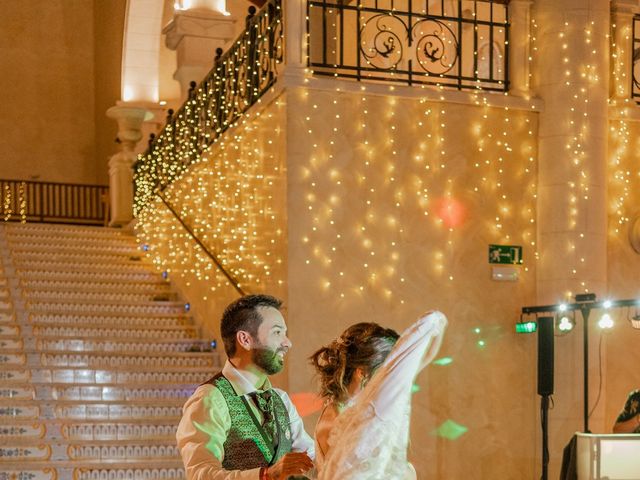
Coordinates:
x,y
264,401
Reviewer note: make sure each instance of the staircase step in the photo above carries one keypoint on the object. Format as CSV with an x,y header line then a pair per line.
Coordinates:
x,y
118,431
20,248
111,319
21,455
109,429
65,410
17,376
9,330
159,469
9,342
103,392
85,376
56,265
97,297
80,237
64,330
78,257
123,393
88,276
174,308
73,230
7,317
116,343
112,305
106,450
26,392
91,278
30,430
17,410
13,359
101,360
102,287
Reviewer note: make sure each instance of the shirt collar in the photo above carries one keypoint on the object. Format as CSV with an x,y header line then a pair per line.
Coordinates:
x,y
242,381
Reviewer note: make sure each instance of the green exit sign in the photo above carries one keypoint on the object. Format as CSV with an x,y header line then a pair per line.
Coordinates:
x,y
505,254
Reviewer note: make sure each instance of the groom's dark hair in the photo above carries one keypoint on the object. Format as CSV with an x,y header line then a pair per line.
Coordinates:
x,y
243,315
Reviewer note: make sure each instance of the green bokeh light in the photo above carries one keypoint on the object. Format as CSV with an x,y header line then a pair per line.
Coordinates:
x,y
443,361
450,430
415,388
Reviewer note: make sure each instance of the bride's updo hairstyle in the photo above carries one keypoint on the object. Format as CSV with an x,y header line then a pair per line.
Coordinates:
x,y
363,345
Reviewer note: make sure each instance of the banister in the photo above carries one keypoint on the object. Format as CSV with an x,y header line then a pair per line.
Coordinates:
x,y
214,259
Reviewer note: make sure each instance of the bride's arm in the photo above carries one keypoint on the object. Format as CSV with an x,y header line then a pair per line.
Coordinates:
x,y
417,346
433,349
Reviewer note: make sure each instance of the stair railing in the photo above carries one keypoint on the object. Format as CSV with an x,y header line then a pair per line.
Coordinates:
x,y
238,79
234,283
52,202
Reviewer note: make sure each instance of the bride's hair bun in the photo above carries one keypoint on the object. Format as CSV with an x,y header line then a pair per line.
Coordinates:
x,y
363,345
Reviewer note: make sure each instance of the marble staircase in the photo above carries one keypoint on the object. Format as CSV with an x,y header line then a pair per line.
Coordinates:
x,y
97,356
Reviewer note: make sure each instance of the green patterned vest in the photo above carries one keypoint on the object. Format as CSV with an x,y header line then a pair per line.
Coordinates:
x,y
248,445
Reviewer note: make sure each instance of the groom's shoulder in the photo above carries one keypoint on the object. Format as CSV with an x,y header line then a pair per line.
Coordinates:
x,y
207,393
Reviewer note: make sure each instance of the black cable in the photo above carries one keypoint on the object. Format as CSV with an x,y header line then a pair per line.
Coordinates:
x,y
600,374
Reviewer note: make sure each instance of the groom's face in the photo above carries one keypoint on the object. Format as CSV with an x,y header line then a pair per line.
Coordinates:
x,y
272,343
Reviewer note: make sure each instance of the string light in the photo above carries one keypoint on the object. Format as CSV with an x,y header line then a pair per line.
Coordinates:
x,y
22,202
232,200
7,210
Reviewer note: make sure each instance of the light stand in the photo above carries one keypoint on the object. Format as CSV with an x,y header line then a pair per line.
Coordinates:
x,y
584,303
545,383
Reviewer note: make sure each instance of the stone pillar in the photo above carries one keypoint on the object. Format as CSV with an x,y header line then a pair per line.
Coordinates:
x,y
195,35
519,47
130,120
295,33
572,78
622,12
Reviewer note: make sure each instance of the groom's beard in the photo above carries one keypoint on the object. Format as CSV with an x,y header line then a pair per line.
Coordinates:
x,y
268,360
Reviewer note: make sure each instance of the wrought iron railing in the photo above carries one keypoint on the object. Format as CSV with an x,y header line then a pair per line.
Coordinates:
x,y
452,43
48,202
238,79
635,60
230,278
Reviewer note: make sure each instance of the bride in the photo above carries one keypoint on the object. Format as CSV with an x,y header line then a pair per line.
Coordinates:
x,y
366,378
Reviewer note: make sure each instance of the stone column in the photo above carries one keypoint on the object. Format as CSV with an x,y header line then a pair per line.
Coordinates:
x,y
572,78
295,32
519,47
130,120
195,35
622,12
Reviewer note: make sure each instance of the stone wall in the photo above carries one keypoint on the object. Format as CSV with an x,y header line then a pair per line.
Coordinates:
x,y
60,71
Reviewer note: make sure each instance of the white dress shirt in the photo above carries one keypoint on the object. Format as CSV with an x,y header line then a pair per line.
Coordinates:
x,y
205,424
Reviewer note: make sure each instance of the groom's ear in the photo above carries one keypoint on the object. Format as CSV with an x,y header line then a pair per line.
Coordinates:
x,y
244,339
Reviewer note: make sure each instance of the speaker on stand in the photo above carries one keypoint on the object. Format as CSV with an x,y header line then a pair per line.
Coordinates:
x,y
545,383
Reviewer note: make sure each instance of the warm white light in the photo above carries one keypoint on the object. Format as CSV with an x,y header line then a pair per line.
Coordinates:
x,y
605,322
565,324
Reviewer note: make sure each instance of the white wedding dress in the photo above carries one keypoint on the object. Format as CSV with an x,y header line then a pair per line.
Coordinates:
x,y
369,440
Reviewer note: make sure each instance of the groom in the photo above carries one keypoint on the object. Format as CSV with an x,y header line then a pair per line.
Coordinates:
x,y
236,426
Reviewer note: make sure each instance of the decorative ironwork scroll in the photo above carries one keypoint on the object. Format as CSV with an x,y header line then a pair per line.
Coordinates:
x,y
635,59
451,43
238,79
